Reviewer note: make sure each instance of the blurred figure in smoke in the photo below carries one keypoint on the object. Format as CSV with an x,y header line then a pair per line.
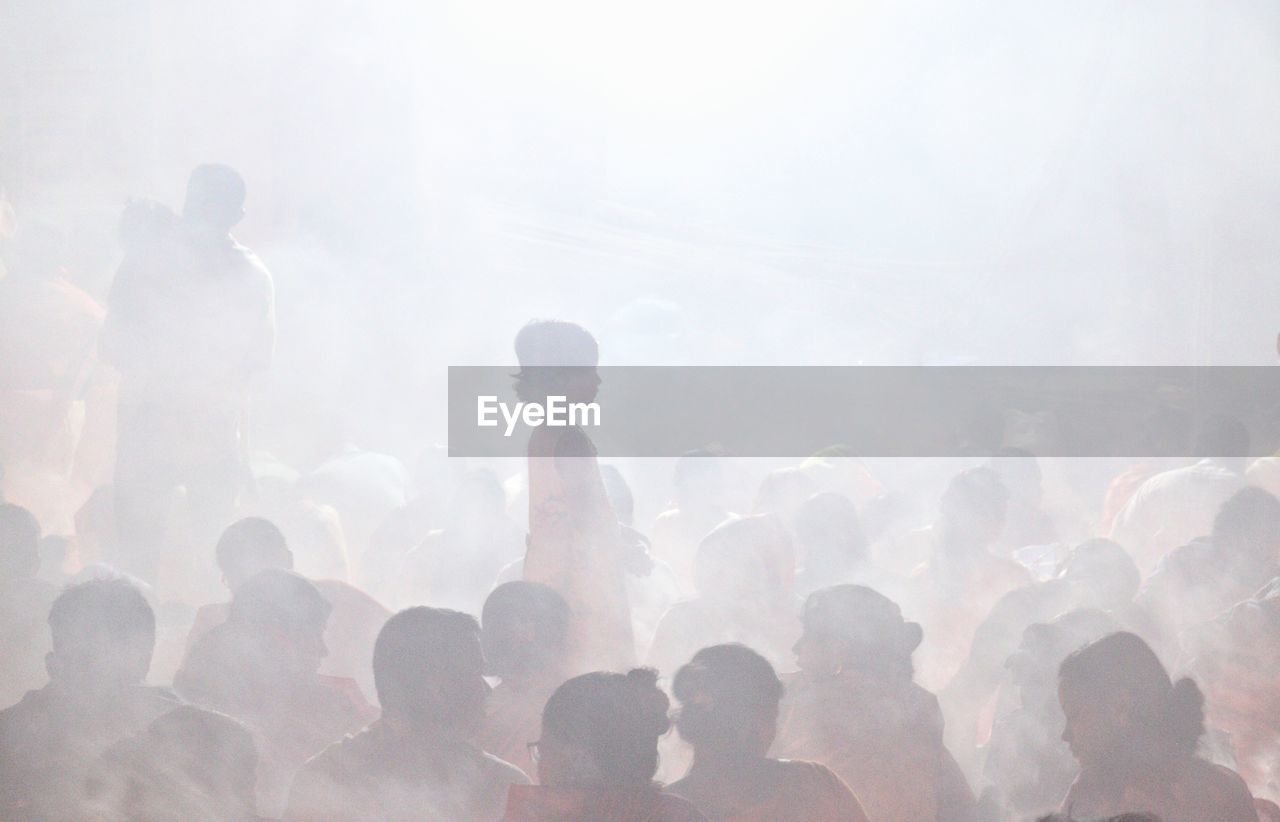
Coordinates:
x,y
254,544
261,667
855,707
729,698
525,633
962,579
1026,523
190,764
833,548
1027,762
1097,574
1198,581
455,565
190,321
698,506
1236,658
1165,433
103,635
1176,506
744,573
598,753
418,761
402,530
24,605
575,544
1134,733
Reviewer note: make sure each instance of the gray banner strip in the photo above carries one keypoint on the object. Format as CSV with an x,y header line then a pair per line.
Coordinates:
x,y
785,411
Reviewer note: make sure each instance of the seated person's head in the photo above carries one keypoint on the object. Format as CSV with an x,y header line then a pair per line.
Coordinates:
x,y
284,617
103,635
728,697
853,628
19,542
1247,528
1121,705
428,669
524,629
602,729
1101,574
974,505
745,558
248,546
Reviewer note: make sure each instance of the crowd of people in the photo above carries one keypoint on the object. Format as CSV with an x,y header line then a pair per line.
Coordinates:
x,y
189,634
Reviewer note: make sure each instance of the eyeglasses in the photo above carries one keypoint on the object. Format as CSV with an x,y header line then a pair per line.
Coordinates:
x,y
535,750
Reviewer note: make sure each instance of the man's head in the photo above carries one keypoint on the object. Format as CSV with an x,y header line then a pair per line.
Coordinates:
x,y
103,633
287,614
556,358
248,546
524,629
428,669
215,197
19,542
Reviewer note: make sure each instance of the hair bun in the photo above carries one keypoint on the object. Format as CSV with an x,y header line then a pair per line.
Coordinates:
x,y
654,705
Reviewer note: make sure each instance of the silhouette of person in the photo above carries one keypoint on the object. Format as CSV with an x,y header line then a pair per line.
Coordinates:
x,y
418,761
103,634
744,573
261,667
699,504
855,708
525,632
189,764
729,697
598,753
1134,733
190,321
255,544
25,600
575,544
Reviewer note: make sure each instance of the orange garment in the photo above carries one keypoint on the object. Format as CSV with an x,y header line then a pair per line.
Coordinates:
x,y
575,546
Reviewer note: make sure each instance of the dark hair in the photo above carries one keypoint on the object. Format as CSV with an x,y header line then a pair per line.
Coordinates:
x,y
978,491
279,599
250,539
616,718
868,627
1168,716
723,691
1103,560
548,352
1248,522
107,612
521,603
411,645
217,187
19,542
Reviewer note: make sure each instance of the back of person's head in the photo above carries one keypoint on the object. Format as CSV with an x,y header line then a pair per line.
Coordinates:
x,y
215,196
281,617
829,533
1102,573
728,697
1247,526
854,628
746,558
1019,471
428,670
19,542
524,629
976,500
248,546
602,729
1222,437
1120,683
554,356
103,634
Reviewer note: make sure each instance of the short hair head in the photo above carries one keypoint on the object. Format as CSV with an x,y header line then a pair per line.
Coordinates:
x,y
428,669
524,628
276,599
103,632
19,542
215,196
863,630
728,697
611,723
554,355
248,546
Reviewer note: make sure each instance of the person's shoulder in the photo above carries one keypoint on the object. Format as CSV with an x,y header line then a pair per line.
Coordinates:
x,y
1223,786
